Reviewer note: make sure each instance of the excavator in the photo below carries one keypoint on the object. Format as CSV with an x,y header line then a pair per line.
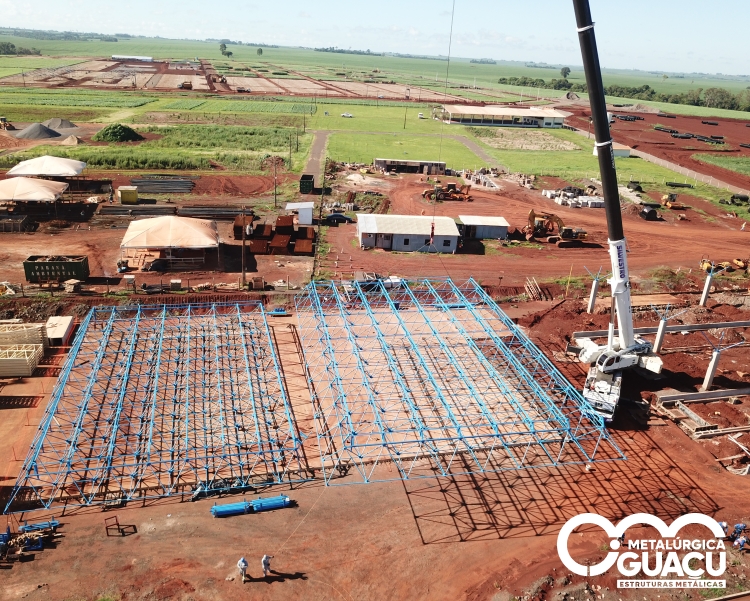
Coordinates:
x,y
542,227
623,350
670,201
448,192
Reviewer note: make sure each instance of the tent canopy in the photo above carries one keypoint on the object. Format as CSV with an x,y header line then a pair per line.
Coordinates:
x,y
25,189
171,232
49,166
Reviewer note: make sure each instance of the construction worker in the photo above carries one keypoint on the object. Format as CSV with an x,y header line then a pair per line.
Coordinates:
x,y
266,564
741,542
738,530
242,567
725,528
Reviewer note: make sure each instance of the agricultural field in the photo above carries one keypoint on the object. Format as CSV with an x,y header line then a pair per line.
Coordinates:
x,y
351,147
10,65
73,98
187,147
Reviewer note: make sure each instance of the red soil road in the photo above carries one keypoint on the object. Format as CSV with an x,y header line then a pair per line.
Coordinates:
x,y
673,243
642,136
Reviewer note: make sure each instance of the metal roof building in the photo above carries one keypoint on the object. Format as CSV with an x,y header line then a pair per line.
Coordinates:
x,y
407,233
402,166
482,227
498,116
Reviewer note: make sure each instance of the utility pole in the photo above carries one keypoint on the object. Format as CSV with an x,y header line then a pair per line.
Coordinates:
x,y
296,130
406,108
243,246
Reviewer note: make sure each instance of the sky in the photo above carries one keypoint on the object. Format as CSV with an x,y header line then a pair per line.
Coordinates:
x,y
651,35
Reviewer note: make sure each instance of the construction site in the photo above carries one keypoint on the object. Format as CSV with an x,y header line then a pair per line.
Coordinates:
x,y
395,354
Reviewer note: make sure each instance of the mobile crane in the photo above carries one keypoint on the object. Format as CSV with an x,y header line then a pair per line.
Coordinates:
x,y
627,351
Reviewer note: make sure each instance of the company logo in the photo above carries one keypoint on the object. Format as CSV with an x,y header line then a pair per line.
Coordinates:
x,y
621,260
674,562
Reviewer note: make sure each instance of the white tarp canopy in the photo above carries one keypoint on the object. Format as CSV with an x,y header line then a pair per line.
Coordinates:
x,y
49,166
171,232
25,189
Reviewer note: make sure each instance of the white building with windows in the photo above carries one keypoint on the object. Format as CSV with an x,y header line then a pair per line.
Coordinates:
x,y
407,233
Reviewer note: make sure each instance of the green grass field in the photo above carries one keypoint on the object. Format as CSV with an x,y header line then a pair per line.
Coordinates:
x,y
10,65
363,148
736,164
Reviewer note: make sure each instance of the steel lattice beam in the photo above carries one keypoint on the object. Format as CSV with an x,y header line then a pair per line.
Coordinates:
x,y
159,400
433,378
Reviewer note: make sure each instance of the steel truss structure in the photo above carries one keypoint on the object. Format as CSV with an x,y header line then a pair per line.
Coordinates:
x,y
159,400
433,378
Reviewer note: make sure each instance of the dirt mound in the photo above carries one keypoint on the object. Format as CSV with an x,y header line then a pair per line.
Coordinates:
x,y
58,123
37,131
72,141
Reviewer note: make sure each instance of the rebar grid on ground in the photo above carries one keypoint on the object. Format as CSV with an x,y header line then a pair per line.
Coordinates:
x,y
433,378
156,400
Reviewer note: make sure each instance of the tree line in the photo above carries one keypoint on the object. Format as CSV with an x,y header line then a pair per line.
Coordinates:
x,y
719,98
8,48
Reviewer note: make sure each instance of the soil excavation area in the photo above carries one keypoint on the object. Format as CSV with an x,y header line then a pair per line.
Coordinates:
x,y
641,135
667,242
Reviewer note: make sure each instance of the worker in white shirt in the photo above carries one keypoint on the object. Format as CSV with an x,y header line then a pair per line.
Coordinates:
x,y
266,564
242,567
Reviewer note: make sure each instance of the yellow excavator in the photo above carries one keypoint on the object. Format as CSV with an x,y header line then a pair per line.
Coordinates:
x,y
670,201
542,227
708,265
448,192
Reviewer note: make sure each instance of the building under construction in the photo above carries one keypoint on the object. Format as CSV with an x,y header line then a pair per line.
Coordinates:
x,y
426,379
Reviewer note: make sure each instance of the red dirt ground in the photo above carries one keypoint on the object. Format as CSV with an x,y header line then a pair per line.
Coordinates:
x,y
478,538
670,242
641,136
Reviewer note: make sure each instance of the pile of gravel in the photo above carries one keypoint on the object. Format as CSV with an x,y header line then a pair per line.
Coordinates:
x,y
59,124
37,131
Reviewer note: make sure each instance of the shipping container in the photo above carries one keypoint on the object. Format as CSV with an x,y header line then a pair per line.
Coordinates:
x,y
39,268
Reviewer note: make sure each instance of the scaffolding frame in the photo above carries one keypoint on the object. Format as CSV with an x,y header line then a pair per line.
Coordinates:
x,y
160,400
433,378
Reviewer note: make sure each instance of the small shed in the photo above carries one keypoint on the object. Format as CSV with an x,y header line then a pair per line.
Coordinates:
x,y
304,211
620,150
59,330
477,227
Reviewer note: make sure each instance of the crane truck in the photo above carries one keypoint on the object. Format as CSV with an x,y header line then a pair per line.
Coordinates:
x,y
626,351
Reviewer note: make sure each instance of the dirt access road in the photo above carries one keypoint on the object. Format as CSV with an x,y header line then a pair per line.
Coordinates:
x,y
652,244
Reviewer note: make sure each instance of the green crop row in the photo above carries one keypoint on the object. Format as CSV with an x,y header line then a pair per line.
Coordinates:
x,y
270,139
184,105
247,106
115,158
75,100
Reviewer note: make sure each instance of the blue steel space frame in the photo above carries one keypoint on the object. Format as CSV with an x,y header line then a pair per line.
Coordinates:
x,y
157,400
436,379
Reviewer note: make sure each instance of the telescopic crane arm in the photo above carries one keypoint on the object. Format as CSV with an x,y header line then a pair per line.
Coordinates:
x,y
602,388
620,281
